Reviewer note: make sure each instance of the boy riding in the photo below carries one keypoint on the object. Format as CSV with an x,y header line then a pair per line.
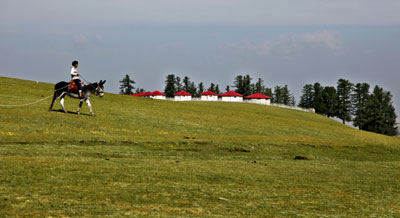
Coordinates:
x,y
75,77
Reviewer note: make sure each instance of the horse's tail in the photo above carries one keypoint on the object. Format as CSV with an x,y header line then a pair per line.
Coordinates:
x,y
54,99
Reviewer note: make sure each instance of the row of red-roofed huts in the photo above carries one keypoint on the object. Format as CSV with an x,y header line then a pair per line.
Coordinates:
x,y
229,96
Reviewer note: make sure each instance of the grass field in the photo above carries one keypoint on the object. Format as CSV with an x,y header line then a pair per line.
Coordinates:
x,y
152,158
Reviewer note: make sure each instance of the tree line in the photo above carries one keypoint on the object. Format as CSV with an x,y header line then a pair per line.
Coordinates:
x,y
242,84
370,111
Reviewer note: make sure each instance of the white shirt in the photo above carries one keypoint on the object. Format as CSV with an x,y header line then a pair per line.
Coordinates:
x,y
74,73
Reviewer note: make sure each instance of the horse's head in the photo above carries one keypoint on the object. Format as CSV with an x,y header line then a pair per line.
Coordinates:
x,y
100,88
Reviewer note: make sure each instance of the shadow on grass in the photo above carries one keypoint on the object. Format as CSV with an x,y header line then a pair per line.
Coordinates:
x,y
70,112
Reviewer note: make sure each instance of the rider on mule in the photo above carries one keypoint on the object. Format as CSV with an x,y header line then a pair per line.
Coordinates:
x,y
75,77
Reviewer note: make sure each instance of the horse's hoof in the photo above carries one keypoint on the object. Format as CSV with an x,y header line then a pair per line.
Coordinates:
x,y
91,114
79,113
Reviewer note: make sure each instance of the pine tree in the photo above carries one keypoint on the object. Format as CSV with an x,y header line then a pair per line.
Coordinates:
x,y
359,99
247,89
140,90
217,89
238,84
243,85
381,113
292,101
227,89
277,96
186,84
212,87
259,86
200,89
178,84
170,86
192,89
330,101
318,99
286,95
344,89
306,100
268,92
126,85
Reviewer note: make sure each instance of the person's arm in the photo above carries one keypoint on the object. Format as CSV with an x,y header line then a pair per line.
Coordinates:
x,y
73,72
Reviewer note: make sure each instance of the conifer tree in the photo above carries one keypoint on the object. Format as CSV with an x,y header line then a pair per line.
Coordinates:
x,y
227,89
306,100
381,113
344,89
200,88
277,95
140,90
259,86
286,95
238,84
212,88
330,101
318,99
217,89
268,92
178,84
170,86
359,99
126,85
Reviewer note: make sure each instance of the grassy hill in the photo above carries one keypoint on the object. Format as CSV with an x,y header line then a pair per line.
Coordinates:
x,y
149,158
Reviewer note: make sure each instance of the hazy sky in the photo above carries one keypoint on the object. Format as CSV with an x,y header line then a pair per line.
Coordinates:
x,y
290,42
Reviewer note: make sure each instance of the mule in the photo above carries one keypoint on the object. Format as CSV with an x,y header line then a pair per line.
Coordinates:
x,y
61,90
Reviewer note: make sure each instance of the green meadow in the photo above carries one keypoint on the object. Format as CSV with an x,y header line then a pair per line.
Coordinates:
x,y
152,158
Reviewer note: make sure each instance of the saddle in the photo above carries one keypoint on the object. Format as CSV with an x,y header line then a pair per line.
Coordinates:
x,y
73,87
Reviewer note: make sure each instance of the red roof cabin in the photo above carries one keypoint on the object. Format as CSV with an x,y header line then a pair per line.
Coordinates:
x,y
209,96
157,95
231,96
258,98
182,96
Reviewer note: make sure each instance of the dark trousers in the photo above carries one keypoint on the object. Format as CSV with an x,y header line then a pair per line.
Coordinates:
x,y
78,84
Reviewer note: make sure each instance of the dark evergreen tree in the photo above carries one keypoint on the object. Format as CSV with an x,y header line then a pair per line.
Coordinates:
x,y
192,89
186,84
243,85
306,100
212,88
217,89
247,89
318,100
330,101
200,89
259,86
189,86
178,84
359,99
227,89
170,86
292,101
239,84
268,92
286,96
277,96
140,90
381,113
126,85
344,89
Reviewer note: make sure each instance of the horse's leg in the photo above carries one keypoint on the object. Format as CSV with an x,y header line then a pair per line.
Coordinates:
x,y
62,102
80,105
52,102
90,107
